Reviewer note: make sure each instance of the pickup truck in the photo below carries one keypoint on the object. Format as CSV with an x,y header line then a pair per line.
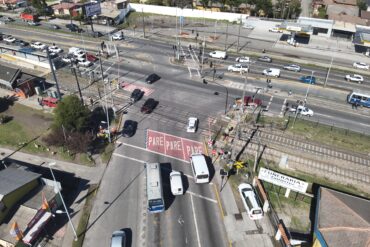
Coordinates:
x,y
218,54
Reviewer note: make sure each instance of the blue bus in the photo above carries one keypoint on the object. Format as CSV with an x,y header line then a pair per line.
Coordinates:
x,y
154,188
360,98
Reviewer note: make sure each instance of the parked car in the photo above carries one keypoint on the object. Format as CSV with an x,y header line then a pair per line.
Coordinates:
x,y
242,60
149,106
238,68
21,43
176,183
308,79
90,57
302,110
275,30
118,239
33,23
38,45
250,201
9,39
360,65
152,78
49,101
248,26
129,128
293,67
265,59
271,72
218,54
68,59
85,63
354,78
55,49
118,36
136,95
192,125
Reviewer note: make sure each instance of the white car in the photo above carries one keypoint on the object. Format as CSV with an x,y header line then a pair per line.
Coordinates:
x,y
303,110
176,183
251,203
248,26
68,59
238,68
271,72
192,125
80,54
73,50
242,60
118,36
119,239
85,63
360,65
218,54
9,39
275,30
38,45
55,49
355,78
293,67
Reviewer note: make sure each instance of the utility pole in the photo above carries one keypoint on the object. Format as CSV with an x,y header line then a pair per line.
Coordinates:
x,y
78,84
203,45
142,14
240,24
305,99
53,72
105,97
227,34
214,37
327,75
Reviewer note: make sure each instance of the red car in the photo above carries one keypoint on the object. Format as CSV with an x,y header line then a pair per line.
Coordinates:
x,y
249,101
91,58
49,101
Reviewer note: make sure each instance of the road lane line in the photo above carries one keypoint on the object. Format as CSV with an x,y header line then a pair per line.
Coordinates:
x,y
195,220
144,149
219,203
203,197
130,158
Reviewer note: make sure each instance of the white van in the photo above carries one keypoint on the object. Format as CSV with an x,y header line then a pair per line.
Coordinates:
x,y
200,169
218,54
250,201
272,72
74,50
176,183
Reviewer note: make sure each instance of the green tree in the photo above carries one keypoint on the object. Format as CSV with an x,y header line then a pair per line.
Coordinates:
x,y
362,4
40,6
71,114
294,9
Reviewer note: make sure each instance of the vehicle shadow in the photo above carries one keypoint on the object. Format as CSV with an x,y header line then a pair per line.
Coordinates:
x,y
185,182
128,233
210,166
166,169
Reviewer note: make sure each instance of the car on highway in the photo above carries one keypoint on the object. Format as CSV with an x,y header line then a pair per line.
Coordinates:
x,y
84,63
55,27
38,45
149,106
118,239
33,23
252,101
136,95
238,68
90,57
177,188
250,201
242,60
152,78
9,39
21,43
265,59
192,125
55,49
6,19
68,58
96,34
129,128
302,110
308,79
360,65
293,67
218,54
248,26
73,28
80,54
118,36
275,30
271,72
354,78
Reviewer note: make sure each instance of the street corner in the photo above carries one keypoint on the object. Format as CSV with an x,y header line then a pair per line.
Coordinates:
x,y
172,146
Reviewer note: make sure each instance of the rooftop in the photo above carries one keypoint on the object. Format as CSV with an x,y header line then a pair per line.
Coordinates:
x,y
342,9
347,2
8,73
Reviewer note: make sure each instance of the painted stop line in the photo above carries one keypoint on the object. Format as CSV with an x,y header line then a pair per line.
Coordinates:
x,y
174,146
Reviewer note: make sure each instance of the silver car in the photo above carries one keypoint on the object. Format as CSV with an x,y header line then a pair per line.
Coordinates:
x,y
265,59
293,67
118,239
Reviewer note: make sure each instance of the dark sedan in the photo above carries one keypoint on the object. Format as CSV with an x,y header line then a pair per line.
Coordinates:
x,y
152,78
21,43
149,106
136,95
129,128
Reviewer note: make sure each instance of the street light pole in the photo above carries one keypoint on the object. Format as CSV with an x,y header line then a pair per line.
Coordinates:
x,y
61,198
305,99
327,75
53,72
105,97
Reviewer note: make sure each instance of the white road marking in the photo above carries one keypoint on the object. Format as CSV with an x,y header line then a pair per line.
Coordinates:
x,y
268,105
283,107
130,158
195,221
203,197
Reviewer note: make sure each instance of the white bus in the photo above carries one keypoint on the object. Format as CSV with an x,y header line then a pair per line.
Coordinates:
x,y
154,188
200,169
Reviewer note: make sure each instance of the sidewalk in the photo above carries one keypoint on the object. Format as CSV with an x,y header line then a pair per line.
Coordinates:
x,y
241,231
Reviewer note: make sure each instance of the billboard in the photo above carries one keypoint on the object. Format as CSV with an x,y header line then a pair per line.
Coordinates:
x,y
282,180
92,9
